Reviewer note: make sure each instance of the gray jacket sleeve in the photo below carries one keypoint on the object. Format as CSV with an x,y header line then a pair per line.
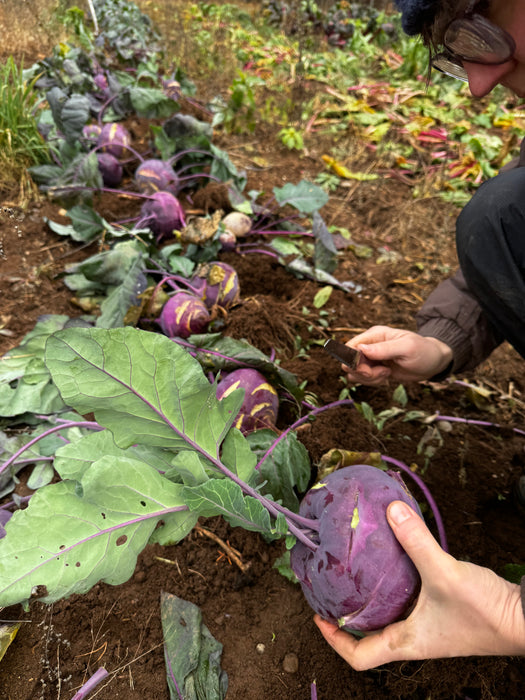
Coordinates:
x,y
452,314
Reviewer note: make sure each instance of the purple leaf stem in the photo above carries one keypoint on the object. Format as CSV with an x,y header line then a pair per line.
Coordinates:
x,y
180,154
472,421
262,251
11,504
260,221
193,176
91,425
306,522
74,188
427,494
313,691
182,280
21,462
105,106
194,350
300,421
172,675
91,684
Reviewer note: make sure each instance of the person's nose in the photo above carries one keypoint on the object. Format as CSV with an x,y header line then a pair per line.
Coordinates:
x,y
482,78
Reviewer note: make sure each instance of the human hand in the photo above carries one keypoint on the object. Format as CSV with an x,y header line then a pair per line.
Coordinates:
x,y
462,609
394,353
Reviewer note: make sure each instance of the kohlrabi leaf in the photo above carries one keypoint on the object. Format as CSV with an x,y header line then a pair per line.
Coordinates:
x,y
79,176
305,196
282,564
73,459
191,653
302,268
189,467
185,131
32,393
286,467
8,631
86,224
9,445
142,386
13,364
41,475
223,497
122,298
173,527
70,113
223,169
45,174
325,253
69,538
151,102
25,385
237,456
223,352
104,271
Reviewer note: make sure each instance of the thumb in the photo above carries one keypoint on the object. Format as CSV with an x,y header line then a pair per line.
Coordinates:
x,y
415,538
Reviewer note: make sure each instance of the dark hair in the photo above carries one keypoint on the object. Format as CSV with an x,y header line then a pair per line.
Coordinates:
x,y
434,33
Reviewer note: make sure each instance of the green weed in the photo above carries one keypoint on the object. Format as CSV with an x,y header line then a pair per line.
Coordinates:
x,y
21,144
291,138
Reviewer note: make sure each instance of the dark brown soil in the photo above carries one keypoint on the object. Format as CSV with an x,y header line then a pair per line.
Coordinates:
x,y
470,475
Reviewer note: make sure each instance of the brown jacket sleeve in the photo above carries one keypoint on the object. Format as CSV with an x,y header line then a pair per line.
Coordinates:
x,y
452,314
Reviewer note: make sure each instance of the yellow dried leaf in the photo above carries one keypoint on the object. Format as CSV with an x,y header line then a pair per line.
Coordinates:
x,y
7,634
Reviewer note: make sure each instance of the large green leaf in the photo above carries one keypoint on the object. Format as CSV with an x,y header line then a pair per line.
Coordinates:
x,y
69,538
286,468
223,497
70,113
119,301
142,386
25,385
73,459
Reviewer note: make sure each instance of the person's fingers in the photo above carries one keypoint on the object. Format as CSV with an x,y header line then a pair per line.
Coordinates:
x,y
370,651
416,539
343,643
370,376
375,334
382,351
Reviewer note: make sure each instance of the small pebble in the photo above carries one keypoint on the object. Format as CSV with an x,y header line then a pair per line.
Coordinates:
x,y
140,576
260,648
291,663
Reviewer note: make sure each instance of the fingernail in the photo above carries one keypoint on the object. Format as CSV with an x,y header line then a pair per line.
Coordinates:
x,y
398,512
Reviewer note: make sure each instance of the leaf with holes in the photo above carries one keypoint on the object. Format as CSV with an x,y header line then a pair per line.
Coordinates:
x,y
73,535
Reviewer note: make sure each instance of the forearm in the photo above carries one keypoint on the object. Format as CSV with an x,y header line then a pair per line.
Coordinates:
x,y
452,315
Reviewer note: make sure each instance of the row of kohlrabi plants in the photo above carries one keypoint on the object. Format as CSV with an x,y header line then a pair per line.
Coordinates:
x,y
184,417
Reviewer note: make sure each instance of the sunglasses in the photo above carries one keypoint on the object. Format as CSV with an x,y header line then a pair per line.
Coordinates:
x,y
474,39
